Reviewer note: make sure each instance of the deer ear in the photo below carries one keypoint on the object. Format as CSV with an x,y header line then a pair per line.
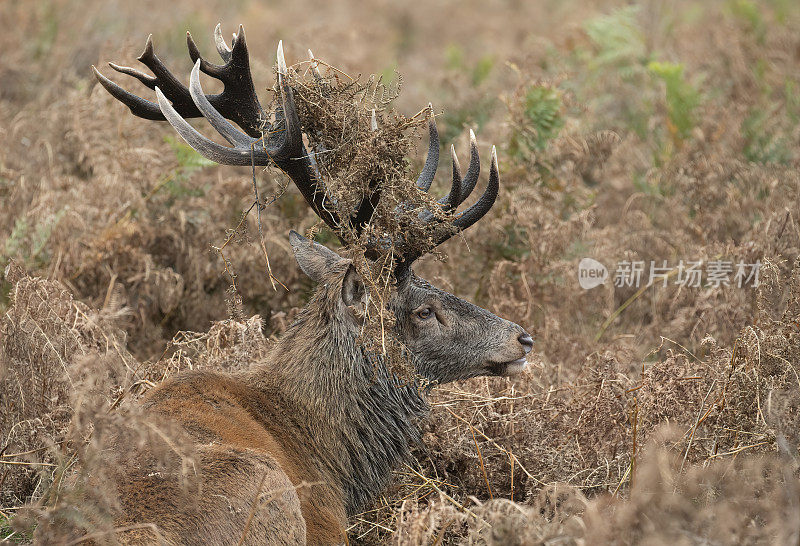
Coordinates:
x,y
354,294
314,259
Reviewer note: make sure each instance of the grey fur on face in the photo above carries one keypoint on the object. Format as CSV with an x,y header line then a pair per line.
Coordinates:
x,y
460,340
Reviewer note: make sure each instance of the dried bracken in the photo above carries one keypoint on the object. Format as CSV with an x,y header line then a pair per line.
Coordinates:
x,y
115,287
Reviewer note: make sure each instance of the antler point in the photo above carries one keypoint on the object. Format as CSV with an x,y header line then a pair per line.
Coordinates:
x,y
148,49
456,163
281,59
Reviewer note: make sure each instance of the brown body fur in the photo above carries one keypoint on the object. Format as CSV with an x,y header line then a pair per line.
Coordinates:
x,y
250,429
246,438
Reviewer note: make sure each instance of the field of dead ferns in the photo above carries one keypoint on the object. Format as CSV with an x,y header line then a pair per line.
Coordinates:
x,y
655,134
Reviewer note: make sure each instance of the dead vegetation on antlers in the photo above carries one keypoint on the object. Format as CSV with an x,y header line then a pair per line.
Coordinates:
x,y
364,151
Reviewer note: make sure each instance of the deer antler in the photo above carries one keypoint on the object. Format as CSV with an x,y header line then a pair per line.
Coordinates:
x,y
281,143
264,144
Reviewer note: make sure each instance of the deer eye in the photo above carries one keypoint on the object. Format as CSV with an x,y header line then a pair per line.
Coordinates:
x,y
425,313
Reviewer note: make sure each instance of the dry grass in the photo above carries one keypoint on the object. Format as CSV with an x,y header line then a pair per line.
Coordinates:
x,y
663,415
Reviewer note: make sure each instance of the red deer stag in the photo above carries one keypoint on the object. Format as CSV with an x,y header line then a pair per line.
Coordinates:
x,y
315,411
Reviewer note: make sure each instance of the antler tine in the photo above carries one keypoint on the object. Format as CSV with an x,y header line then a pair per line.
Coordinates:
x,y
314,67
222,48
299,165
479,209
207,147
146,79
461,187
473,170
463,221
222,125
137,105
428,173
287,111
245,150
432,161
282,70
453,198
213,70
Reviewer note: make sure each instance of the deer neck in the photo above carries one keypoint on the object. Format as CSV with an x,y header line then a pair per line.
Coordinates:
x,y
359,419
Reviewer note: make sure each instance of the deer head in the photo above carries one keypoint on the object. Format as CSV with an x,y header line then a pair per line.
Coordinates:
x,y
447,337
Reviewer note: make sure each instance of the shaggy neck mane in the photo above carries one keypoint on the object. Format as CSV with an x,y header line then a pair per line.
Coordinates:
x,y
360,418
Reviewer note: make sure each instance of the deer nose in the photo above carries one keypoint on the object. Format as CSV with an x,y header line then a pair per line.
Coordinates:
x,y
526,340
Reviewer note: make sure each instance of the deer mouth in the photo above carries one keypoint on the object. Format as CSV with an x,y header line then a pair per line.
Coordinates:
x,y
508,369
